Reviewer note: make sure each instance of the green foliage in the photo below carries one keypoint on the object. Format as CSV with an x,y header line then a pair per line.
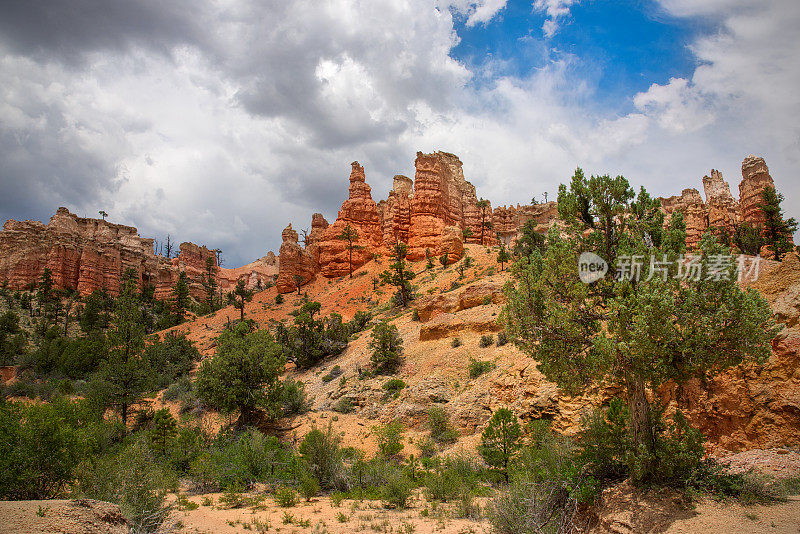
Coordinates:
x,y
397,490
12,338
500,440
529,241
293,398
239,296
237,461
133,479
343,405
635,333
279,299
359,322
478,367
350,235
41,445
333,373
387,347
309,487
180,297
442,431
398,275
455,342
323,455
415,315
173,357
390,439
163,432
777,230
243,375
487,340
502,338
394,385
503,256
310,340
748,238
286,497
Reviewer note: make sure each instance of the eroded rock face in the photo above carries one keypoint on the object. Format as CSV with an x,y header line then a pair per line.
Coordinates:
x,y
361,213
92,254
296,267
694,213
755,178
451,244
721,206
318,227
255,274
395,211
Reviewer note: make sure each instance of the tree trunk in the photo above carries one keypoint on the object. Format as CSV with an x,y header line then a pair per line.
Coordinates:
x,y
241,310
641,422
350,259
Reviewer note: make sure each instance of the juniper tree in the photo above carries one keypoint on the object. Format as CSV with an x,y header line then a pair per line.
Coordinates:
x,y
483,204
350,235
503,256
210,281
633,332
387,347
239,296
500,440
777,230
529,239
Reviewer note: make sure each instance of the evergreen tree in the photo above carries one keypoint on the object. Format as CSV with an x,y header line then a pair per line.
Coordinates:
x,y
45,296
124,377
387,347
503,256
777,230
163,433
500,440
483,205
239,296
180,297
243,375
398,275
633,331
210,282
350,235
529,240
748,238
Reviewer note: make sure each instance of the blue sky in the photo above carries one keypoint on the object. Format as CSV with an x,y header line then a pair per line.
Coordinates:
x,y
221,122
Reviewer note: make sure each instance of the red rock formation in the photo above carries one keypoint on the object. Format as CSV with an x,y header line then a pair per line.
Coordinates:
x,y
451,243
504,223
255,274
318,227
395,212
720,204
694,213
361,213
755,177
293,262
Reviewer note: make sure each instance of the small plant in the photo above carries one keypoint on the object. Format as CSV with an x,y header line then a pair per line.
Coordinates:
x,y
502,338
309,487
441,429
479,367
208,501
288,518
486,340
455,342
336,499
185,504
390,439
344,405
394,385
278,299
397,491
415,315
342,381
342,517
285,497
41,512
303,523
334,372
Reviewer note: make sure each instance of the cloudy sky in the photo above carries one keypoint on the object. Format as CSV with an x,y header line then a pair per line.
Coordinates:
x,y
220,121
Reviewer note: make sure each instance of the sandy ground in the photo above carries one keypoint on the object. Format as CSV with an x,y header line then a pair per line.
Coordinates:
x,y
82,516
729,518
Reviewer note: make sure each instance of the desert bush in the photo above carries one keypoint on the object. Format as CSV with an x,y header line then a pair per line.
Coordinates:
x,y
279,299
390,438
286,497
441,429
173,357
415,315
178,389
239,460
293,398
343,405
394,385
427,447
309,487
397,490
487,340
479,367
333,373
359,321
455,342
502,338
323,455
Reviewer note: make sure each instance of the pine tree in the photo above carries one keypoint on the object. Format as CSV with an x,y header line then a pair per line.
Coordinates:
x,y
398,275
350,235
503,256
483,205
777,230
163,433
210,282
500,440
387,347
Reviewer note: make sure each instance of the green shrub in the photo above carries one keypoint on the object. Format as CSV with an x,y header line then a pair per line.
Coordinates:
x,y
279,299
427,447
334,372
486,340
178,389
455,342
397,490
309,487
442,430
387,347
390,438
502,338
321,452
286,497
394,385
479,367
173,357
415,315
293,398
343,405
240,460
359,322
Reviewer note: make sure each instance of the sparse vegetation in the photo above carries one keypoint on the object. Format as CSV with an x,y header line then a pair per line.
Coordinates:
x,y
479,367
487,340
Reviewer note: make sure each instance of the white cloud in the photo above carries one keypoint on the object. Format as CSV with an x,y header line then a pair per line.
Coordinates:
x,y
555,10
478,12
677,106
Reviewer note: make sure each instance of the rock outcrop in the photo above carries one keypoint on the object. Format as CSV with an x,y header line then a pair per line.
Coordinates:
x,y
694,213
361,213
722,208
296,266
395,211
255,274
755,178
86,255
450,243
